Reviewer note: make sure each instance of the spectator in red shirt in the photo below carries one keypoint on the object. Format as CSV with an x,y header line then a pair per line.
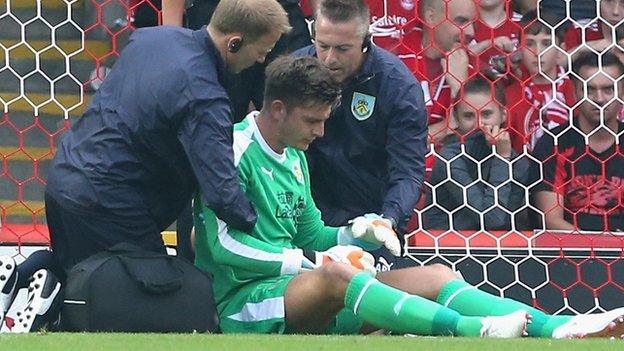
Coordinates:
x,y
496,37
388,19
611,14
534,106
438,57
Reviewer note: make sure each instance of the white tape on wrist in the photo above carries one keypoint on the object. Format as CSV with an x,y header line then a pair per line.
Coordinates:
x,y
291,264
344,237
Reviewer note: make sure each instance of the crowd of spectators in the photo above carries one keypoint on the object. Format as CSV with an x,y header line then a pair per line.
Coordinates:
x,y
497,81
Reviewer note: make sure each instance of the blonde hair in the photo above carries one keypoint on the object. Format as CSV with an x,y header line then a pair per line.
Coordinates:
x,y
252,18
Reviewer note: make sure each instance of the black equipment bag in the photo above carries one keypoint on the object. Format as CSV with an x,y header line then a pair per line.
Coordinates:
x,y
128,289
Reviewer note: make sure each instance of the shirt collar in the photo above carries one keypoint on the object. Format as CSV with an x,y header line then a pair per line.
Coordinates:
x,y
280,158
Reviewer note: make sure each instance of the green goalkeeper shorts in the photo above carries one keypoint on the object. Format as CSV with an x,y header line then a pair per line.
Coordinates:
x,y
259,308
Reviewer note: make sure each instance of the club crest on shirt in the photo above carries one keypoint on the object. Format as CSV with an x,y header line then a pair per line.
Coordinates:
x,y
362,106
296,169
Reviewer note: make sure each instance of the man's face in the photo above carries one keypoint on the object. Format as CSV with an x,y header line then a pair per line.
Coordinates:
x,y
601,90
456,29
251,52
539,46
339,46
612,11
476,110
302,125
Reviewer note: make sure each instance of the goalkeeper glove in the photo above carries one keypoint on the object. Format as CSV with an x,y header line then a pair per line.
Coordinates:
x,y
370,231
351,255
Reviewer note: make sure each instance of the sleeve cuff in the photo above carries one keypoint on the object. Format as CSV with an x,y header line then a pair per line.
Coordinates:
x,y
392,217
346,238
343,237
292,261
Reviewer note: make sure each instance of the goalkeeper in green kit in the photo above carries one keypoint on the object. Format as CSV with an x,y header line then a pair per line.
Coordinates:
x,y
293,274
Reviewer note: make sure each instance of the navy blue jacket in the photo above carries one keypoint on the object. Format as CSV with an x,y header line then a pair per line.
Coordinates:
x,y
158,127
371,163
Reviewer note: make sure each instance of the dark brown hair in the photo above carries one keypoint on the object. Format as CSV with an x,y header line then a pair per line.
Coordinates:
x,y
340,11
300,82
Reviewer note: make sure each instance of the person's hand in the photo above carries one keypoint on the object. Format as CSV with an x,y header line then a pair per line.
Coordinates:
x,y
499,137
516,63
507,61
372,229
348,254
456,63
504,43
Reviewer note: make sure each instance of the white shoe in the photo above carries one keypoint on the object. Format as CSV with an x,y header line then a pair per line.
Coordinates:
x,y
511,325
33,307
8,279
607,324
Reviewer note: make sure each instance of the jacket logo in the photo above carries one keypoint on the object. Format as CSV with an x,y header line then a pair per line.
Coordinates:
x,y
362,106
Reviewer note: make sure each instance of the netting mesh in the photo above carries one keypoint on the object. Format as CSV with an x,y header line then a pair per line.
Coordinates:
x,y
54,54
479,211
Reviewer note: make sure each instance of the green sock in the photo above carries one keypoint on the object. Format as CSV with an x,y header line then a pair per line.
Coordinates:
x,y
388,308
470,301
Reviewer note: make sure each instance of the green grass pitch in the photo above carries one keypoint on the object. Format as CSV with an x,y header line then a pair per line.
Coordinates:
x,y
231,342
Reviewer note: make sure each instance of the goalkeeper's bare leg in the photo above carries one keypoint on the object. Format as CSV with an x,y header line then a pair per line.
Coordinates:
x,y
425,281
314,298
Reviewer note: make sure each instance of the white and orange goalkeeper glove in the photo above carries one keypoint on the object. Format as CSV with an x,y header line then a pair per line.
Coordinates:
x,y
348,254
370,231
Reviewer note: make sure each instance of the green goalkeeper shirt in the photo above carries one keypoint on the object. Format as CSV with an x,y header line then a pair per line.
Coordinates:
x,y
278,185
